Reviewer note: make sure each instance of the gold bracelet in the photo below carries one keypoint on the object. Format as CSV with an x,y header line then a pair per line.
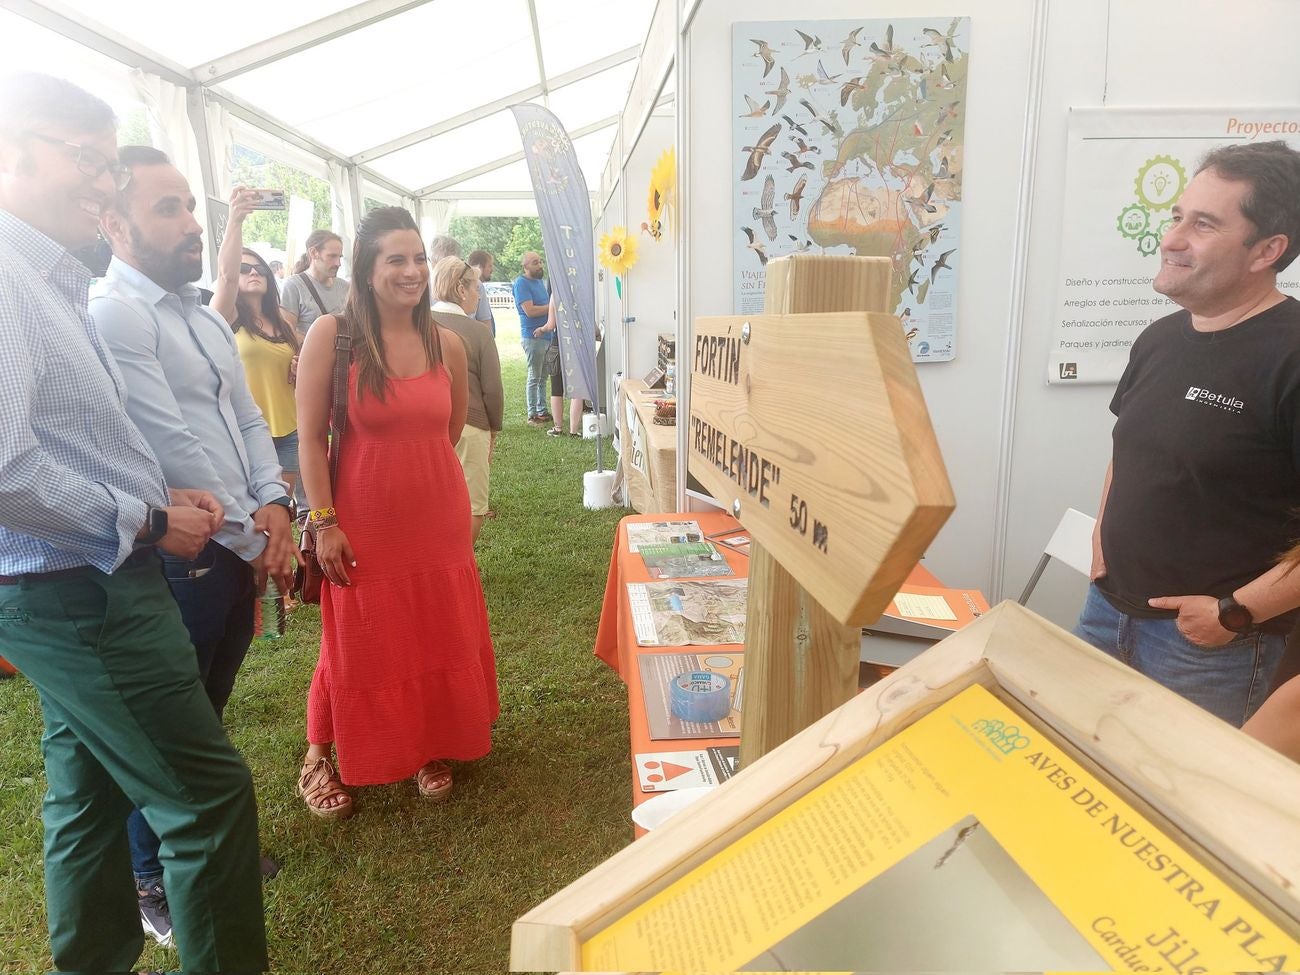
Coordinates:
x,y
321,514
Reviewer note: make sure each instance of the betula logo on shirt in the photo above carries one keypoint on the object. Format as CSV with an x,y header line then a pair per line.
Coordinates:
x,y
1230,403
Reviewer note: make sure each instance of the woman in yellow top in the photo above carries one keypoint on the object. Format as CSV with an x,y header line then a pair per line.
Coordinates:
x,y
246,296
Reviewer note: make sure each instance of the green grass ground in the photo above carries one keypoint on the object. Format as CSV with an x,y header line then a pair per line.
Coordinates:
x,y
404,885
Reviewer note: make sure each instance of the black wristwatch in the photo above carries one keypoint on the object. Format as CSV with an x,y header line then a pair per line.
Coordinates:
x,y
1234,616
155,526
283,501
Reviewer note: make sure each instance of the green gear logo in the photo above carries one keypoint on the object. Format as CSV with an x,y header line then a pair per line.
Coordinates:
x,y
1133,221
1160,181
1148,244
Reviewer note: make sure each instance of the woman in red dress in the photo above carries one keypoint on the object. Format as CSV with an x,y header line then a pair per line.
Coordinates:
x,y
406,677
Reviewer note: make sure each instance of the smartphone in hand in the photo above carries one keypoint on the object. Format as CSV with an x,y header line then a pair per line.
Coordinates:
x,y
270,200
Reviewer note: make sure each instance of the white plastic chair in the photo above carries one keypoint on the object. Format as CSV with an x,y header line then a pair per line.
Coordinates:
x,y
1071,543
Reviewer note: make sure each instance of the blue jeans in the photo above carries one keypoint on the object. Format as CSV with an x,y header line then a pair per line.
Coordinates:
x,y
215,595
286,451
535,391
1230,681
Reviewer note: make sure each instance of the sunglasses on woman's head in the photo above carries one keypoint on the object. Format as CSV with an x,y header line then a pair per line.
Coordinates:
x,y
251,269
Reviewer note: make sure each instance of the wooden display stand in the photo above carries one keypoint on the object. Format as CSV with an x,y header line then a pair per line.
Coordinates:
x,y
813,428
1224,797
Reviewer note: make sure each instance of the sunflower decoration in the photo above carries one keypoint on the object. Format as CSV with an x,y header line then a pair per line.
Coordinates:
x,y
662,199
618,253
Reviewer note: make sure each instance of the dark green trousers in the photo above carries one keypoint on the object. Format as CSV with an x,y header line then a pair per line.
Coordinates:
x,y
127,722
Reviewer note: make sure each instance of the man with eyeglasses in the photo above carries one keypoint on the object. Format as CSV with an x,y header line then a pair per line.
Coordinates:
x,y
187,392
84,611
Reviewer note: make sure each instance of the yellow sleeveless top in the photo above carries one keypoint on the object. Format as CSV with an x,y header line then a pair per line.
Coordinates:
x,y
266,367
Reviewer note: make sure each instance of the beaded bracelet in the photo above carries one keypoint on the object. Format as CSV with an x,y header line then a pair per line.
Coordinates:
x,y
320,514
321,524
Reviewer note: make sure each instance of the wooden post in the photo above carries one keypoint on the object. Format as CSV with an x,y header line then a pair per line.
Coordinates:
x,y
801,662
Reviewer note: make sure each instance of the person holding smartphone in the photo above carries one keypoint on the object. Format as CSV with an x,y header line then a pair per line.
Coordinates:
x,y
247,297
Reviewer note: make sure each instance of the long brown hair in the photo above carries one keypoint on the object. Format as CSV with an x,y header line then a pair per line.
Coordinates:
x,y
362,310
317,240
269,307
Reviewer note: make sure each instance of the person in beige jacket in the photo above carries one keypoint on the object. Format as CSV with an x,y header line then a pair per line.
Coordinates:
x,y
456,296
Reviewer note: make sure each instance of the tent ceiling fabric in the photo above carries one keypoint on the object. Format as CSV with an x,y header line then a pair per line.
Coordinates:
x,y
410,67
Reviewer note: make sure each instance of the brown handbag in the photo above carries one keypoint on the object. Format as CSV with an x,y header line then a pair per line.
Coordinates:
x,y
309,577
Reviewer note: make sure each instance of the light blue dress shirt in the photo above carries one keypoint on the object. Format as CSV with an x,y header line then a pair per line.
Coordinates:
x,y
185,390
76,476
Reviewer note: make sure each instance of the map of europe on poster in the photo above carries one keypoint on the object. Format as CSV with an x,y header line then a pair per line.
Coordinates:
x,y
849,139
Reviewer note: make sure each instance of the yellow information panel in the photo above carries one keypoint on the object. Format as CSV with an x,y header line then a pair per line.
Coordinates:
x,y
968,841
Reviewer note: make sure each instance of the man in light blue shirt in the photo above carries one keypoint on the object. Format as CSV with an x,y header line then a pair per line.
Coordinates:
x,y
186,391
84,611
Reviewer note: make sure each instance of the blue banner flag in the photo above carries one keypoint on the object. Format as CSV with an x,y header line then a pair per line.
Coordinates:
x,y
564,207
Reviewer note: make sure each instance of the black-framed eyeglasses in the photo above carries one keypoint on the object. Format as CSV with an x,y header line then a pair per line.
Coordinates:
x,y
91,161
251,269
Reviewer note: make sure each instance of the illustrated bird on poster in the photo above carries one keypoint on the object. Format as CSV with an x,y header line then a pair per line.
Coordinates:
x,y
756,246
822,77
851,42
939,39
781,91
755,109
849,87
912,282
946,113
757,152
940,264
831,124
795,163
811,43
888,52
922,203
800,246
943,172
765,52
765,212
795,196
945,82
804,148
795,126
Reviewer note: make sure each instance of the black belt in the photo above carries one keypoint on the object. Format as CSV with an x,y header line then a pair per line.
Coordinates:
x,y
139,557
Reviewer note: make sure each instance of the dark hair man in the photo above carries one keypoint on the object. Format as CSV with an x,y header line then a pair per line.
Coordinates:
x,y
86,613
532,300
1203,489
315,288
186,391
485,264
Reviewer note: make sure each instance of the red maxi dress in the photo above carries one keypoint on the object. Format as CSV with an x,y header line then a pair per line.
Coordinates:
x,y
406,671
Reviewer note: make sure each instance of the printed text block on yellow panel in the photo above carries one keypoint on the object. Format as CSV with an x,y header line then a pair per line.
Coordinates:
x,y
817,425
968,817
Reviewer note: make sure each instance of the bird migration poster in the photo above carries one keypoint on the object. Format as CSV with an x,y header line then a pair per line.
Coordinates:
x,y
1125,169
849,139
968,842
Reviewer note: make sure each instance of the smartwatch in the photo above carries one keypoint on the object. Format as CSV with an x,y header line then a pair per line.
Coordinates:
x,y
283,501
155,526
1234,616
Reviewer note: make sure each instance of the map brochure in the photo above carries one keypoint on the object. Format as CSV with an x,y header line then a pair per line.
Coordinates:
x,y
657,671
684,560
662,533
970,841
679,614
666,771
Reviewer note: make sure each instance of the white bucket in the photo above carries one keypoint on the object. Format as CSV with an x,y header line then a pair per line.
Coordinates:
x,y
598,489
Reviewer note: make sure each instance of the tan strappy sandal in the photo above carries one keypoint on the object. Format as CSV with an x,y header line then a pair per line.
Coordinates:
x,y
434,780
317,784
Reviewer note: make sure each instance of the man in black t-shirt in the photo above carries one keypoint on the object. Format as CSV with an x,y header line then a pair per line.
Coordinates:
x,y
1203,492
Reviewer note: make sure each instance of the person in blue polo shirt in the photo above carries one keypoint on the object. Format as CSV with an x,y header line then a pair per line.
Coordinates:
x,y
531,300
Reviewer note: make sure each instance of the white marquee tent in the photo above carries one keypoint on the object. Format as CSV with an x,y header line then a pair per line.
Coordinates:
x,y
401,101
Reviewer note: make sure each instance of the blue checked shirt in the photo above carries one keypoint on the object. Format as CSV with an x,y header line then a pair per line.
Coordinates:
x,y
76,476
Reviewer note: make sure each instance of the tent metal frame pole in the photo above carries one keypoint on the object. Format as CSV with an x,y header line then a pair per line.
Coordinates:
x,y
685,323
196,110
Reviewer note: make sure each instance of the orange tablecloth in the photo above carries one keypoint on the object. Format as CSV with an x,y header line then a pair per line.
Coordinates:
x,y
616,636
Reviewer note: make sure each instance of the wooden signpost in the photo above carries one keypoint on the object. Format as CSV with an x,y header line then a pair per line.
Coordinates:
x,y
809,424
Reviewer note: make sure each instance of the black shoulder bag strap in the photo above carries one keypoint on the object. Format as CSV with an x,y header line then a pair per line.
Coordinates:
x,y
306,279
